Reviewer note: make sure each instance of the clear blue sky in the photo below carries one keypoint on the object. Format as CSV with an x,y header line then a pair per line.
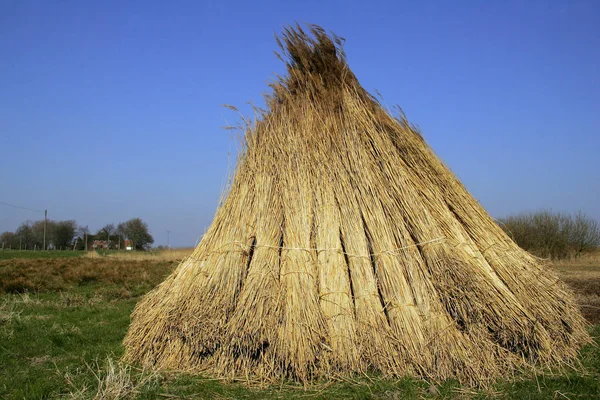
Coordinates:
x,y
112,109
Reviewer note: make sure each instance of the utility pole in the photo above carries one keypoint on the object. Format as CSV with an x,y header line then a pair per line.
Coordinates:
x,y
45,218
168,240
20,240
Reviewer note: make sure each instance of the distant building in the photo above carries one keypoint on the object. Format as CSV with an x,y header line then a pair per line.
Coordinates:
x,y
100,244
128,244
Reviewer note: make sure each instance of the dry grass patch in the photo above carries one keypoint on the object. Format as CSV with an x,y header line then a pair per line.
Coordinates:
x,y
114,381
588,260
162,255
8,313
582,274
26,275
39,360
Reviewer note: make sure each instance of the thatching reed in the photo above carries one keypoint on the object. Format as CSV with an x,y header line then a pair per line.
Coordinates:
x,y
344,246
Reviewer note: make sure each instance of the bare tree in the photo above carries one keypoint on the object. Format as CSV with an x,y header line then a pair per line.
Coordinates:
x,y
109,229
554,235
26,236
84,231
9,240
585,233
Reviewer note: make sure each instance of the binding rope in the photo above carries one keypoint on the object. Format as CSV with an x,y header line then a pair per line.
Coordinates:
x,y
246,248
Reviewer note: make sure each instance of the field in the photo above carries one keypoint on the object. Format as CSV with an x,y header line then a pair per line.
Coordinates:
x,y
62,320
11,254
583,275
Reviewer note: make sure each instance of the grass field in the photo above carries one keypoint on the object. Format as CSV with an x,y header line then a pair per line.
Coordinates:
x,y
165,255
62,321
19,254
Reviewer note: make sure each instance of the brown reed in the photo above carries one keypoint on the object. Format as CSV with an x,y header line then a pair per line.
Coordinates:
x,y
345,245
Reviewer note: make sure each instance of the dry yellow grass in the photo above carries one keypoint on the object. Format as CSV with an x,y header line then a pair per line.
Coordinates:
x,y
178,254
345,245
41,275
586,261
583,275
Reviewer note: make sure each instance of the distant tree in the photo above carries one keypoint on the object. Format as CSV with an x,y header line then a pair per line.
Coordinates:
x,y
121,227
120,234
584,234
83,232
31,234
26,236
108,230
554,235
136,230
9,240
38,233
63,233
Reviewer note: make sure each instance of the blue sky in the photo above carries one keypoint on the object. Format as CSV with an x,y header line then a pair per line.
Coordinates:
x,y
111,110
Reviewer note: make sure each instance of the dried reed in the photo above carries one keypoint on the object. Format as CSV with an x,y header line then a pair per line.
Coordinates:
x,y
345,245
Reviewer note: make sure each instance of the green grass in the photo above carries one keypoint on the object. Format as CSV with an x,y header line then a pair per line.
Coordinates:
x,y
11,254
66,344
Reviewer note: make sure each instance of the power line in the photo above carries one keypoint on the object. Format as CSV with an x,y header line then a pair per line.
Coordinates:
x,y
28,209
22,208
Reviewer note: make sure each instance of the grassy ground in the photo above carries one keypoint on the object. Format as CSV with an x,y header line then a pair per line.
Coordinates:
x,y
62,322
156,255
31,254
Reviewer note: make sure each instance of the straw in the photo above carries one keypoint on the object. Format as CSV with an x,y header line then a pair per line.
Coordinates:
x,y
344,245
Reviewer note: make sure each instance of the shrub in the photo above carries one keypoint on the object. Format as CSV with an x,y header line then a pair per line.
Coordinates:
x,y
553,235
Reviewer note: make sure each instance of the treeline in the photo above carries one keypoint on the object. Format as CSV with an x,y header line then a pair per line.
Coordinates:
x,y
553,235
63,235
30,235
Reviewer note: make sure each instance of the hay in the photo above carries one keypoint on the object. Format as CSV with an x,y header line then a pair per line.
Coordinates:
x,y
343,246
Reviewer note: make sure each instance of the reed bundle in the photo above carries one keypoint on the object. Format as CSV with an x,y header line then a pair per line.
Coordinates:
x,y
345,245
